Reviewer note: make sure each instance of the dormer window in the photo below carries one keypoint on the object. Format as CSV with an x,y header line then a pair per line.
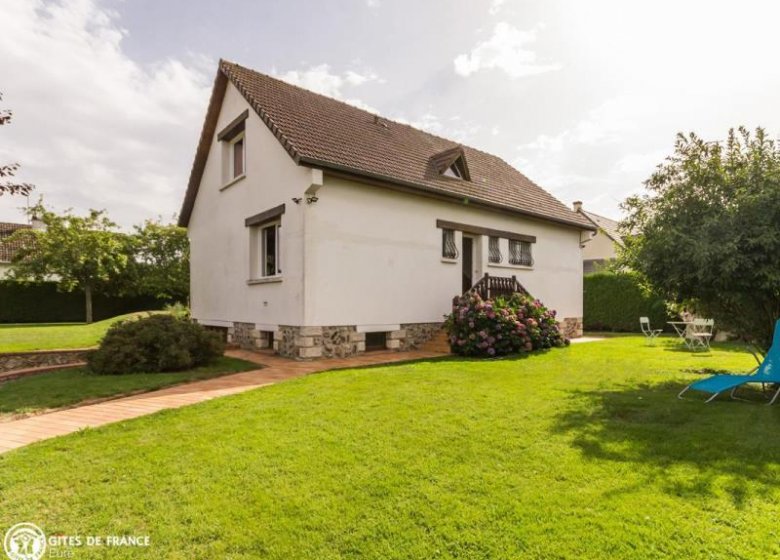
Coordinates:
x,y
452,163
453,171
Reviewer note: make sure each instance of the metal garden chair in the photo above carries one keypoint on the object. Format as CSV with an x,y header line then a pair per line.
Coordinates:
x,y
650,334
699,334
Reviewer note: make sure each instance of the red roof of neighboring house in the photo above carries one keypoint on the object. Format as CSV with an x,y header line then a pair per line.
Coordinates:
x,y
7,248
326,133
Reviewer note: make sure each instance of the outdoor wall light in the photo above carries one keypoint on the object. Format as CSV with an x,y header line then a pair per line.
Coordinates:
x,y
311,199
297,200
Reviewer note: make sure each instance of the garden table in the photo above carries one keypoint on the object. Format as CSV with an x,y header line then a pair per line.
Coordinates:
x,y
681,327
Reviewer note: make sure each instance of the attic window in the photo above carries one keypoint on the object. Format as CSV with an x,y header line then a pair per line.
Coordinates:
x,y
453,171
452,163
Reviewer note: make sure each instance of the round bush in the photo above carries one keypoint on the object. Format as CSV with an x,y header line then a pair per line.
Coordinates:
x,y
155,344
488,328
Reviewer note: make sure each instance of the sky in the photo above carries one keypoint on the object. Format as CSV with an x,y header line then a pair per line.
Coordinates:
x,y
585,98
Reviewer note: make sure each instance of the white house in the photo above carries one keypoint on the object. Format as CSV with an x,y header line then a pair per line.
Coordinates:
x,y
321,229
603,243
7,248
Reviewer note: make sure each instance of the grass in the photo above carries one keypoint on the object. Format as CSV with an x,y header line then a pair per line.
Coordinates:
x,y
68,387
55,336
583,452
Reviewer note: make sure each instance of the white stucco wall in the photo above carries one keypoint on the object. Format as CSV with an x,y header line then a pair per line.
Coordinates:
x,y
373,257
220,261
600,246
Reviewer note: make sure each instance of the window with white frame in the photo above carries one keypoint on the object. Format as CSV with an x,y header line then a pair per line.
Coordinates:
x,y
233,141
237,157
520,253
448,248
494,252
270,264
265,240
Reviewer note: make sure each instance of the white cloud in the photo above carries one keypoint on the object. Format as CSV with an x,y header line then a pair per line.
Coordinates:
x,y
507,50
320,79
599,158
373,3
91,127
495,6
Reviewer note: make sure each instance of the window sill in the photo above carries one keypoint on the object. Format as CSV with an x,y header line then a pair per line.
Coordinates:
x,y
449,261
266,280
232,182
511,266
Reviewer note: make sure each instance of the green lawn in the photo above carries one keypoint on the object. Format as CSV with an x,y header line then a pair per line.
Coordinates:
x,y
71,386
55,336
581,453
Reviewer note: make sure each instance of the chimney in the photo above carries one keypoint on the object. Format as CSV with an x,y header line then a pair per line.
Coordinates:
x,y
577,205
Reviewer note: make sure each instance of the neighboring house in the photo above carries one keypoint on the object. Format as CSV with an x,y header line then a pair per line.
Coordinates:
x,y
7,248
602,246
322,229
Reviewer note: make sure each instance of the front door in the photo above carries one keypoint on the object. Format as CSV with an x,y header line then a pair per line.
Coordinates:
x,y
468,263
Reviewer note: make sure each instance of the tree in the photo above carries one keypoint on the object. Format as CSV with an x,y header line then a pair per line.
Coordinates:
x,y
84,253
708,230
160,262
7,171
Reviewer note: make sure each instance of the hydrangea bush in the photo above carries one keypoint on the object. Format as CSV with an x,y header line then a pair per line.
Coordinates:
x,y
488,328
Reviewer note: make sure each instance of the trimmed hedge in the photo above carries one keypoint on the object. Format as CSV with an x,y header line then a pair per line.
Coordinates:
x,y
42,303
616,301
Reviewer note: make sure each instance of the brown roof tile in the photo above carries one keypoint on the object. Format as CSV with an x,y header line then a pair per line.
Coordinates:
x,y
323,132
7,248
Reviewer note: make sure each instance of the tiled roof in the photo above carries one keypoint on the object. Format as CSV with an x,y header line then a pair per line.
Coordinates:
x,y
8,249
322,132
608,226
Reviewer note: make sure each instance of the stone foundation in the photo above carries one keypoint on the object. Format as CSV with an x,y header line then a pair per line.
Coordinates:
x,y
571,327
248,337
47,358
319,342
417,334
344,341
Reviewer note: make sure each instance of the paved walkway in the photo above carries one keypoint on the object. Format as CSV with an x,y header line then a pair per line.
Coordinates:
x,y
19,433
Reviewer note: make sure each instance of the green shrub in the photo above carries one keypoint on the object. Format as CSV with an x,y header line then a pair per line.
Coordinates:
x,y
488,328
178,310
154,344
614,301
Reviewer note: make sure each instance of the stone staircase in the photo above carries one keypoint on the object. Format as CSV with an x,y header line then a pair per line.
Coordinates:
x,y
439,343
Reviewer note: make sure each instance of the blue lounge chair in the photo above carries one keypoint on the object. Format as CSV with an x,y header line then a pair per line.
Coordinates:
x,y
768,372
